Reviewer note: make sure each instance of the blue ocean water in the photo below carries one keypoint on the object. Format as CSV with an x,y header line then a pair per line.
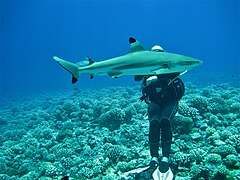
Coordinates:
x,y
32,32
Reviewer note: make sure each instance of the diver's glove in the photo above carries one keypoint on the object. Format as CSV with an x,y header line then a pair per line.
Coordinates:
x,y
151,79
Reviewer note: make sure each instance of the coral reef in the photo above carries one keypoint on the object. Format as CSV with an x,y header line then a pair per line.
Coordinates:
x,y
100,134
188,111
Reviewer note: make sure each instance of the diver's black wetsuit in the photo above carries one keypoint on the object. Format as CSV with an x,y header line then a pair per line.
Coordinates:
x,y
162,97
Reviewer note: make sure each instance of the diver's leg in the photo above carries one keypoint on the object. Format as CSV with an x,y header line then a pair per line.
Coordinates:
x,y
168,112
154,137
154,132
166,137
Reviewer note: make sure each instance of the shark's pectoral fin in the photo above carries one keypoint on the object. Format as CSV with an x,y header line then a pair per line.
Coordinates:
x,y
163,70
114,74
135,45
159,71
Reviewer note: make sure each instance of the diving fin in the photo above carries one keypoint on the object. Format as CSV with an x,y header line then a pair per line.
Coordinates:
x,y
157,175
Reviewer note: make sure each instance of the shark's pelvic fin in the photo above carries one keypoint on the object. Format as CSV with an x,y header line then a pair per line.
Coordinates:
x,y
70,67
135,45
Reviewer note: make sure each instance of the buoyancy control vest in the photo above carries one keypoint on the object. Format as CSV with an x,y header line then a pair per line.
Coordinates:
x,y
166,87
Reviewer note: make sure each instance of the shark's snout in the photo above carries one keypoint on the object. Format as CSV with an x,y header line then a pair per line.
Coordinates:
x,y
190,62
198,62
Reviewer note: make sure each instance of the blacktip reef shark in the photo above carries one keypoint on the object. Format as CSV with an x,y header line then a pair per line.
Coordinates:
x,y
138,61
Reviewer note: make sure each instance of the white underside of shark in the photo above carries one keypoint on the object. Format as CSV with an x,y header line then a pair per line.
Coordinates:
x,y
138,61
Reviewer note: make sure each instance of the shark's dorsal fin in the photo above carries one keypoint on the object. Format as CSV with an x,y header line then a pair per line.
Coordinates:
x,y
90,60
135,45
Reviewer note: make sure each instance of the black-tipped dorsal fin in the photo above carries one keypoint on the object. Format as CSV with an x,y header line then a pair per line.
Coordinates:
x,y
135,45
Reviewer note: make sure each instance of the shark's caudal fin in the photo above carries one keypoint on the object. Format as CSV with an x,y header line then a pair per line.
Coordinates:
x,y
70,67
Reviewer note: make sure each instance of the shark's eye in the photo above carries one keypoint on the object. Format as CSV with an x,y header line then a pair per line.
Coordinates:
x,y
165,65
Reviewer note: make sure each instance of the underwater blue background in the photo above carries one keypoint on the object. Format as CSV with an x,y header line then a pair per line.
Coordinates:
x,y
32,32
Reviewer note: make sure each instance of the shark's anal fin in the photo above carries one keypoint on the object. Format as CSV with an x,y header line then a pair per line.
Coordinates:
x,y
114,74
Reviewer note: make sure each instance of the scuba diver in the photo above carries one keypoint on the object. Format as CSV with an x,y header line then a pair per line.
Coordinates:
x,y
162,94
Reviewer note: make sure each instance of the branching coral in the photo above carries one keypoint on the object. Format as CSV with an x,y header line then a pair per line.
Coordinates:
x,y
180,159
218,105
51,170
187,111
58,151
197,155
24,168
140,107
130,111
68,125
3,167
235,107
112,119
86,103
220,173
182,145
195,171
225,150
231,160
3,121
182,124
200,103
213,159
113,152
234,140
68,107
